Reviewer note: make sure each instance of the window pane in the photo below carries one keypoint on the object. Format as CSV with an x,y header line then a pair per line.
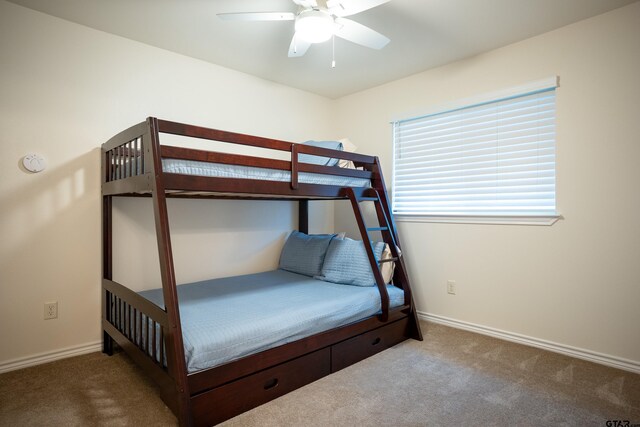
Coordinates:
x,y
497,158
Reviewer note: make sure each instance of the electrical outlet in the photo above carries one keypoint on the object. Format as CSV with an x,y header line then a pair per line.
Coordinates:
x,y
451,287
51,310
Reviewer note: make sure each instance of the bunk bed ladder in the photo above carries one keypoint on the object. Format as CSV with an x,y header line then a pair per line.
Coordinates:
x,y
385,227
372,196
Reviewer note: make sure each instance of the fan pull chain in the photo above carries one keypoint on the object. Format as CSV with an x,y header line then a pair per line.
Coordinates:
x,y
333,51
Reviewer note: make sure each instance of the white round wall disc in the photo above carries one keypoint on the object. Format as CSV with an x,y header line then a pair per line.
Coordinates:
x,y
34,162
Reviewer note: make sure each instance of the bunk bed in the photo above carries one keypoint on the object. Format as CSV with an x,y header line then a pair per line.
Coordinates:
x,y
149,327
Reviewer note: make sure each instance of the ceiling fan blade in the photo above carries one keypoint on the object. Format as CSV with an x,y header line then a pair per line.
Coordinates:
x,y
351,7
307,4
358,33
257,16
298,47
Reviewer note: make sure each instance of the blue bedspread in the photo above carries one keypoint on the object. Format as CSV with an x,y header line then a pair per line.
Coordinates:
x,y
229,318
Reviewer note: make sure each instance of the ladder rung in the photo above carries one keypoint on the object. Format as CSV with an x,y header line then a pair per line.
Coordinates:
x,y
377,228
367,199
394,259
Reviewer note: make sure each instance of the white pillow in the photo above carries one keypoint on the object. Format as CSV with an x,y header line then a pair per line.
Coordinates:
x,y
386,268
350,148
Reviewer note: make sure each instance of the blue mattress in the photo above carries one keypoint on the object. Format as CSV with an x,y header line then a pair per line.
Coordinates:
x,y
229,318
192,167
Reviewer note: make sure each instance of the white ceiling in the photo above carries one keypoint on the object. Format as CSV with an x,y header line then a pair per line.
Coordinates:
x,y
424,34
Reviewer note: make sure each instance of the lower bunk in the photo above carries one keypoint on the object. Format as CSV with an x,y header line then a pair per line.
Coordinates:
x,y
250,339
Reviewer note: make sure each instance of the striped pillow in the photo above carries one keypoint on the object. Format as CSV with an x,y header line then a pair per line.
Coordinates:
x,y
347,263
304,254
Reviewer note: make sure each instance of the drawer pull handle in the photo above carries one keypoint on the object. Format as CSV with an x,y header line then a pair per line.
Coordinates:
x,y
376,341
271,384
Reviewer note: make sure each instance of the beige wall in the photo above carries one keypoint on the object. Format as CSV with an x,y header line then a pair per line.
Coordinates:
x,y
577,282
64,90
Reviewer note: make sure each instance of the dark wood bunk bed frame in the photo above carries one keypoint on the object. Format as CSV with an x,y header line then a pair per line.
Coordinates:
x,y
132,166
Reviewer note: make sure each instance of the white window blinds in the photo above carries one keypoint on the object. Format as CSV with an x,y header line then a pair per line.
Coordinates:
x,y
491,159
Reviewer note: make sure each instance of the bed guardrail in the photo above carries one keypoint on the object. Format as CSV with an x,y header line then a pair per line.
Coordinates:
x,y
293,165
127,161
181,129
141,328
136,319
129,158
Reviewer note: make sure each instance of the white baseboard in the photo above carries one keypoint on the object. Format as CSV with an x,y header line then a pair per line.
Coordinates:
x,y
50,356
591,356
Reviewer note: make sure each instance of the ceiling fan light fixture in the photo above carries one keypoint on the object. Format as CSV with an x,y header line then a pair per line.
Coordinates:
x,y
314,26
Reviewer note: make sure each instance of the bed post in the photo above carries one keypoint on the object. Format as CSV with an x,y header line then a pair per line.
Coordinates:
x,y
174,344
107,259
303,216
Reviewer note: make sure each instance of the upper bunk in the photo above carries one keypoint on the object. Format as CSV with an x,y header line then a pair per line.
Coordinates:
x,y
136,162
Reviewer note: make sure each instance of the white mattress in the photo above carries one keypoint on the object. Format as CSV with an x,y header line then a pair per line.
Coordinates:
x,y
219,170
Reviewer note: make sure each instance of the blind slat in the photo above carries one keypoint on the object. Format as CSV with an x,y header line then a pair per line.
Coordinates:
x,y
479,143
496,133
539,97
474,156
474,123
472,165
509,172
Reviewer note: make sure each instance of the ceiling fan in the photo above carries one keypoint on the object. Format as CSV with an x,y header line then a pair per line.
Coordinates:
x,y
319,20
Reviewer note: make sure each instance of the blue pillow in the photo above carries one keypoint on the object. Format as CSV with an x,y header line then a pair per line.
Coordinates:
x,y
347,263
318,160
304,254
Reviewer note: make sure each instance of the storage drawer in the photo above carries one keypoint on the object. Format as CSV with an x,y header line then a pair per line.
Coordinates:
x,y
229,400
358,348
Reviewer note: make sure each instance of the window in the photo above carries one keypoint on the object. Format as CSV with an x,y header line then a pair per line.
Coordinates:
x,y
486,161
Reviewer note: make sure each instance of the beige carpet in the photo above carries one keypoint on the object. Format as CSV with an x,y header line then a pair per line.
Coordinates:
x,y
451,378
